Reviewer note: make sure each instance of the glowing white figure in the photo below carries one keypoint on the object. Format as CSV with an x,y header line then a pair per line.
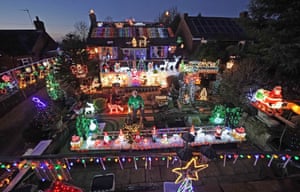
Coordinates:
x,y
172,65
93,125
106,138
90,109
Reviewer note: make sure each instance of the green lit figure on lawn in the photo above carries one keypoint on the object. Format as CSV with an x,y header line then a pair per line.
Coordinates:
x,y
135,104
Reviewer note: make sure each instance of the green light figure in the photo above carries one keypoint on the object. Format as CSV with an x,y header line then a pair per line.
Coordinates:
x,y
53,88
82,126
218,115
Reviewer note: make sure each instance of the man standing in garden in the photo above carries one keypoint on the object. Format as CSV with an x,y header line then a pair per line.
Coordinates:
x,y
135,104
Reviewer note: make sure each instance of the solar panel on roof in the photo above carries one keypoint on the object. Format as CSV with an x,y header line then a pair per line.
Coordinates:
x,y
206,26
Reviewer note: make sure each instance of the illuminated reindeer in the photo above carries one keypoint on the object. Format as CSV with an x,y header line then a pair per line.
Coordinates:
x,y
172,65
169,66
164,66
115,108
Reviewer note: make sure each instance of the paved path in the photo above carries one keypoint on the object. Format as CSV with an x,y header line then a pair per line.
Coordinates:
x,y
241,176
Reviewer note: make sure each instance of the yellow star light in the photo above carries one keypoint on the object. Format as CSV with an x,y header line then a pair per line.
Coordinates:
x,y
190,171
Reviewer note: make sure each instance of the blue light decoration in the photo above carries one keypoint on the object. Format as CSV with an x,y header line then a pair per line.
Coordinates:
x,y
38,103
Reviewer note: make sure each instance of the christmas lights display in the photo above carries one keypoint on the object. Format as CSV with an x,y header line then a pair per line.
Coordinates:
x,y
23,76
228,116
59,169
79,70
272,102
218,115
204,67
45,119
7,84
189,171
59,186
187,174
134,138
53,87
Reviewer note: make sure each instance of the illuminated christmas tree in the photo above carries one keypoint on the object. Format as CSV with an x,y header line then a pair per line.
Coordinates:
x,y
218,115
232,116
228,116
85,126
82,126
53,87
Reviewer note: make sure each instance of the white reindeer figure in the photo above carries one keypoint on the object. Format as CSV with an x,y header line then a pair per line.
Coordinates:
x,y
124,69
172,65
164,66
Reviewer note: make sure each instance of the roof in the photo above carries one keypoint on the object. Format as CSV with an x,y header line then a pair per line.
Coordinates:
x,y
216,28
121,34
21,42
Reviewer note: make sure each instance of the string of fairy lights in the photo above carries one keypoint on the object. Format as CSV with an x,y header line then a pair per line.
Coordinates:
x,y
31,161
58,167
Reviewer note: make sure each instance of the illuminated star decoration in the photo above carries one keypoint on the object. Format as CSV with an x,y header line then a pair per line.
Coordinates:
x,y
189,171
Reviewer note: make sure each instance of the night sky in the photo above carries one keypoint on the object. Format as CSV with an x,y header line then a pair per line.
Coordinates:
x,y
60,16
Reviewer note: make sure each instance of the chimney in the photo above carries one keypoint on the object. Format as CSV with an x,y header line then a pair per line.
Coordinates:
x,y
244,14
39,25
93,19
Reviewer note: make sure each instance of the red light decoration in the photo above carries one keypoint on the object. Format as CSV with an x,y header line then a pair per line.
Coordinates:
x,y
272,102
59,186
5,78
80,71
114,108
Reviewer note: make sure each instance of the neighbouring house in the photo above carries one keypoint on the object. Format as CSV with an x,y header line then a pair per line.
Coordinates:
x,y
195,30
21,47
130,40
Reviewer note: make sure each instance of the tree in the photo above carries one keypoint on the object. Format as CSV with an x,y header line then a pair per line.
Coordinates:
x,y
73,45
81,29
276,26
272,59
210,51
168,16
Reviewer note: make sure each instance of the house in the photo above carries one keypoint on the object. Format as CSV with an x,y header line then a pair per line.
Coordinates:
x,y
21,47
130,40
194,30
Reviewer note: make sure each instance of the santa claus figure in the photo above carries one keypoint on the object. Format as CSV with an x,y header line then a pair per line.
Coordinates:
x,y
276,92
239,133
137,137
218,132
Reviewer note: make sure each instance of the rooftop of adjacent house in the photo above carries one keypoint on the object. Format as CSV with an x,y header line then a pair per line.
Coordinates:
x,y
217,28
16,42
21,42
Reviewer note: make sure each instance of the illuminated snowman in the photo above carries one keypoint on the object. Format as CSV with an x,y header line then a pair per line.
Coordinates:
x,y
164,139
121,136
